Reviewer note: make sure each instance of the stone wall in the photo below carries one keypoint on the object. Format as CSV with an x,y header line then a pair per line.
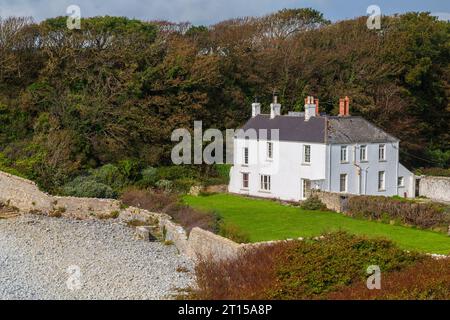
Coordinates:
x,y
435,188
26,196
206,244
334,201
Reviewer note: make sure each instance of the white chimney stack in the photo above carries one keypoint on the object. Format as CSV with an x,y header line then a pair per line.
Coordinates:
x,y
256,109
310,108
275,108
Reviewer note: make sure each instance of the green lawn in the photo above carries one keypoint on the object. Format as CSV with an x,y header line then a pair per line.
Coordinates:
x,y
268,220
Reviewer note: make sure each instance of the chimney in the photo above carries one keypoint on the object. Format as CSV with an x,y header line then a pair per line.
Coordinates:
x,y
310,107
344,107
275,108
256,108
347,106
316,102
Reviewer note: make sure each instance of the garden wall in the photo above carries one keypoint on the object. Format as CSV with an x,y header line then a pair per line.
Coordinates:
x,y
26,196
435,188
334,201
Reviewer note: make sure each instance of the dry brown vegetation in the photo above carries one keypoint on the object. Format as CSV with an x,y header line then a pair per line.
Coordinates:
x,y
331,268
423,215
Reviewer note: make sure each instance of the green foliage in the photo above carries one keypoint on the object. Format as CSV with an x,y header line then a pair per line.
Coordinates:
x,y
309,269
111,176
59,96
313,203
88,187
164,185
184,185
233,232
149,177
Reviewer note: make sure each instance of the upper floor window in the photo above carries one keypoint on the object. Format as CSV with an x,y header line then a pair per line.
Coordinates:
x,y
344,156
381,181
306,154
270,150
382,152
363,153
401,181
265,182
246,156
343,183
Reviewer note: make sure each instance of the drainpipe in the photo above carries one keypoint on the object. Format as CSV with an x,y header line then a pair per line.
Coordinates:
x,y
359,170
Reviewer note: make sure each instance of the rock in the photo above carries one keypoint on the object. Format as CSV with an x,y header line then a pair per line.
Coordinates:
x,y
195,191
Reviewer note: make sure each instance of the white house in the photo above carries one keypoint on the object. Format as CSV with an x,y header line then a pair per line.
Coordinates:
x,y
285,156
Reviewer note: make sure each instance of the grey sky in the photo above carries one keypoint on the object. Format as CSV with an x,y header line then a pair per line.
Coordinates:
x,y
211,11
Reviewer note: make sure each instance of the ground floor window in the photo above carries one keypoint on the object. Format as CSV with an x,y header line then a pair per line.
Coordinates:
x,y
245,180
381,181
265,182
343,183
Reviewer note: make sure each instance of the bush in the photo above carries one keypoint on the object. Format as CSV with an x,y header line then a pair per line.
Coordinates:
x,y
429,279
164,185
184,185
170,204
233,232
424,215
313,203
88,187
110,175
298,269
176,172
438,172
148,200
149,177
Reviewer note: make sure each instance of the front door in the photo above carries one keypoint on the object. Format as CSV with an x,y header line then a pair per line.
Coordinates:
x,y
306,188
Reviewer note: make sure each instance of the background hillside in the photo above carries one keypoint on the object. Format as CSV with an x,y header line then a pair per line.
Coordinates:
x,y
113,91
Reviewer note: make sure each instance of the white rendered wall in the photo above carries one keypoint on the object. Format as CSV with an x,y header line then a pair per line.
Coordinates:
x,y
410,182
286,168
365,183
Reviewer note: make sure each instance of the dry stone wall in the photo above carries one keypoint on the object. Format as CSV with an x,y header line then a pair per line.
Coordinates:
x,y
435,188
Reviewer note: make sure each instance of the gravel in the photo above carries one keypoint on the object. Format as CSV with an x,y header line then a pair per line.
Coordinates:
x,y
40,258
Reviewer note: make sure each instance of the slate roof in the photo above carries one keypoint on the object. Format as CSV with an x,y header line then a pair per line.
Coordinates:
x,y
323,129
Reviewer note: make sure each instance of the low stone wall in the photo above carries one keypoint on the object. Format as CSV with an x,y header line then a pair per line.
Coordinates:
x,y
334,201
206,244
435,188
26,196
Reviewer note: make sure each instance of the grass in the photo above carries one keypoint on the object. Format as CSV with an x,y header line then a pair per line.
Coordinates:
x,y
265,220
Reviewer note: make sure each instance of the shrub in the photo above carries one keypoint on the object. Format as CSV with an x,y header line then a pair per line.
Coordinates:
x,y
170,204
233,232
149,177
313,203
88,187
176,172
165,185
429,279
110,175
148,200
424,215
298,269
438,172
184,185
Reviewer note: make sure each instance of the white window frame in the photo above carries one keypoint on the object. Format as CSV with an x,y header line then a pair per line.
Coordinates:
x,y
307,155
265,183
363,151
382,152
401,182
344,152
246,156
243,180
270,150
345,176
381,181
